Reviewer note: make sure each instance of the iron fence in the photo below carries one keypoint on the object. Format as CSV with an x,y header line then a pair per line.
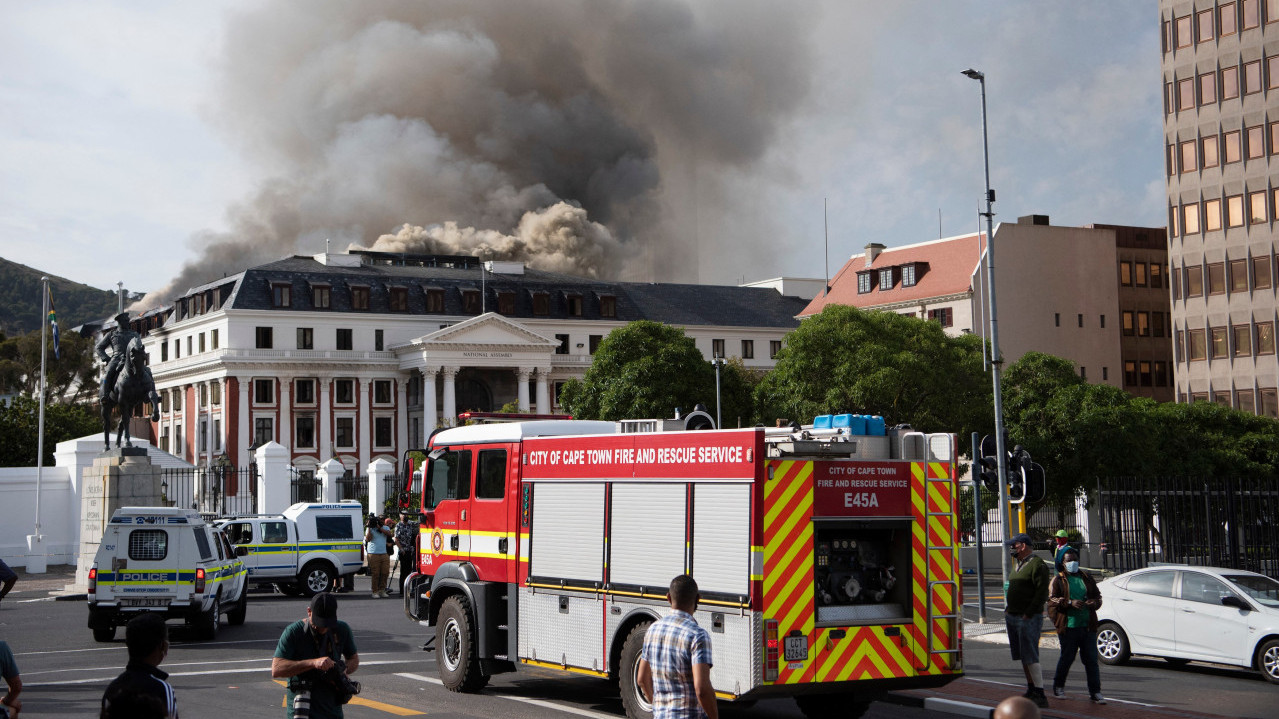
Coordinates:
x,y
1227,522
1041,525
216,490
304,487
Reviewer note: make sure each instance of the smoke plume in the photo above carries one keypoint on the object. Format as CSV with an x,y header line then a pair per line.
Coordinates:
x,y
577,135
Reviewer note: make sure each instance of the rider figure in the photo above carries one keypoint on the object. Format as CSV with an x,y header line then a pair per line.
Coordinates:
x,y
118,341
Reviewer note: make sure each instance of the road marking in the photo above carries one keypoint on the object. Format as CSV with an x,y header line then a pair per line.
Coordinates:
x,y
1011,684
244,670
535,702
361,701
171,665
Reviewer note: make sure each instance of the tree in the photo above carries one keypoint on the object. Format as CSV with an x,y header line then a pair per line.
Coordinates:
x,y
903,368
20,426
737,393
73,375
642,370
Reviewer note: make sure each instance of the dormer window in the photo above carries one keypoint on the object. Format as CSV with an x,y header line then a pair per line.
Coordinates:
x,y
506,302
886,279
541,304
281,295
908,275
608,306
574,303
399,299
320,297
864,283
434,299
471,301
359,298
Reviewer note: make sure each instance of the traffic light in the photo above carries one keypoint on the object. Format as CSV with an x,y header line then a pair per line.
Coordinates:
x,y
988,473
1017,460
1036,482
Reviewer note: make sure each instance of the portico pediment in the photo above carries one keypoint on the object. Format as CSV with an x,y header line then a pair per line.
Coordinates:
x,y
487,339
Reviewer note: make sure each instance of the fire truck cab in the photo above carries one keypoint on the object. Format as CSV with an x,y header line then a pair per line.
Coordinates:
x,y
825,554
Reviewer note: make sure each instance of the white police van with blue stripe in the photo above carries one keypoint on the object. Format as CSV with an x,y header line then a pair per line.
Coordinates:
x,y
304,550
166,560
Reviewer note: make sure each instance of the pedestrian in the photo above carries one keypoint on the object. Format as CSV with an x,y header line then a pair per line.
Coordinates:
x,y
147,637
1063,539
675,664
8,578
375,545
1073,601
1024,600
315,654
10,704
393,555
406,540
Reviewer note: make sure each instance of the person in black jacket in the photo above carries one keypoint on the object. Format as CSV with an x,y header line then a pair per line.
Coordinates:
x,y
141,690
1073,601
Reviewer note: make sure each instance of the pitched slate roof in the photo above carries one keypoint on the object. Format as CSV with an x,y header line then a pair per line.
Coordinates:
x,y
675,304
943,267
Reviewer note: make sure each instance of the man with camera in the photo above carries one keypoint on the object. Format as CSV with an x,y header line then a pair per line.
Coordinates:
x,y
377,541
316,655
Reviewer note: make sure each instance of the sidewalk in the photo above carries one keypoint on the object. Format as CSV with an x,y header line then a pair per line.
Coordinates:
x,y
52,583
977,698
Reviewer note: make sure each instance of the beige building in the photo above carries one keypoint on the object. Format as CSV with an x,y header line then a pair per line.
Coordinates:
x,y
1221,132
1095,295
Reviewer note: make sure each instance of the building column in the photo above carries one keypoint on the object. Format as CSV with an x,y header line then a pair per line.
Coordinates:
x,y
365,389
244,425
172,422
544,390
401,417
224,387
286,414
521,377
210,435
429,418
325,440
197,437
450,395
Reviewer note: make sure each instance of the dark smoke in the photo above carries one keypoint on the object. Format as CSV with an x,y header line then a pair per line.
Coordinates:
x,y
568,133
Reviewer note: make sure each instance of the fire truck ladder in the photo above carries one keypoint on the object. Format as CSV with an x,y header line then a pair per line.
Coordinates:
x,y
955,618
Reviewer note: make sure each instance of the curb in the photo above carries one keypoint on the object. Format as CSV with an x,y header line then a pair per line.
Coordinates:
x,y
937,704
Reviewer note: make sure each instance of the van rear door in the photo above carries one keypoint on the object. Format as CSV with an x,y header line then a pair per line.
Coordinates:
x,y
147,567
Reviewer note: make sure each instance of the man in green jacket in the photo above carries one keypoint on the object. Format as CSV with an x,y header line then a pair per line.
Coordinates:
x,y
1024,599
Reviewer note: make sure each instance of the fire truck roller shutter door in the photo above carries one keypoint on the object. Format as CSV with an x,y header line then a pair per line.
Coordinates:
x,y
646,536
568,532
721,538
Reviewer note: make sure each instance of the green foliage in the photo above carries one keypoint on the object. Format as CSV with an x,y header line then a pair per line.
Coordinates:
x,y
73,373
512,407
19,426
20,301
903,368
642,370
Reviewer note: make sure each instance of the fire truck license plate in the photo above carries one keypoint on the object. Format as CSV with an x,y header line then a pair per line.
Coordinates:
x,y
796,649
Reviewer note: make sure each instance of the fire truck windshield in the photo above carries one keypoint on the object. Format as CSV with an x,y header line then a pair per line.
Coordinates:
x,y
450,476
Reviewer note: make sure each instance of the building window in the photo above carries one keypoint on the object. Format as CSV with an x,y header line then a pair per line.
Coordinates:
x,y
541,304
1203,19
305,438
306,338
1125,274
164,351
562,348
594,343
717,348
359,298
944,315
382,391
1234,146
864,283
1261,272
213,339
1208,88
1252,77
435,300
344,341
1130,374
344,391
1216,278
608,306
1102,320
1268,404
1129,325
471,302
177,400
164,439
1212,215
1256,208
304,391
1083,372
1274,134
1194,281
1251,14
1056,319
886,279
574,305
1161,374
1238,275
1229,83
264,391
263,337
748,349
1243,340
177,344
1156,276
1245,402
201,343
1105,374
378,340
1188,156
1256,142
774,346
1190,218
908,275
1157,324
1080,320
1227,23
215,393
344,432
1210,149
1265,338
399,299
1234,211
1197,341
1139,274
1184,35
281,295
1146,376
204,395
1272,11
506,302
189,346
263,430
1219,348
381,431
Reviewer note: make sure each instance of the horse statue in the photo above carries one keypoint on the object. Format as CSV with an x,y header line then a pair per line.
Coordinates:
x,y
133,387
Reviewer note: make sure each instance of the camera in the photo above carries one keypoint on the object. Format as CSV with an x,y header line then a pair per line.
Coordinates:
x,y
374,522
343,686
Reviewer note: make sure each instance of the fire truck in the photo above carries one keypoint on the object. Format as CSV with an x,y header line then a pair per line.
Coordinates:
x,y
826,554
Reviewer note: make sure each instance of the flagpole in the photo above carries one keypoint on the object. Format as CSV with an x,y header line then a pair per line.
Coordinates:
x,y
36,558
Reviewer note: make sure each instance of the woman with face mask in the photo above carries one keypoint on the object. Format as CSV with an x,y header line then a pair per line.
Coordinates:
x,y
1073,599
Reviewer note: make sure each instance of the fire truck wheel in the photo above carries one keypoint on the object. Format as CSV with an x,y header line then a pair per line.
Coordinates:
x,y
459,663
824,706
637,707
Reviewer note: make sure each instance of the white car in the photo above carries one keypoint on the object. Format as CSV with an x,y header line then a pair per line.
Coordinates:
x,y
1185,613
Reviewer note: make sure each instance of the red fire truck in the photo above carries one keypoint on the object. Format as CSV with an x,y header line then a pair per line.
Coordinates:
x,y
826,559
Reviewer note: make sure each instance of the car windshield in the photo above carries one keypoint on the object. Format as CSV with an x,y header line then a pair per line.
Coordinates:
x,y
1263,590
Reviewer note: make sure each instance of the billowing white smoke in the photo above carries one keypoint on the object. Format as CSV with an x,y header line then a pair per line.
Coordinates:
x,y
582,135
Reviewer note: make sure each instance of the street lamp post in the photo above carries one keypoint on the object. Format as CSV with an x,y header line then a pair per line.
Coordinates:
x,y
718,362
996,358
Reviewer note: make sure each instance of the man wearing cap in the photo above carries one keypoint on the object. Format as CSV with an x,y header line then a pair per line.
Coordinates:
x,y
406,540
117,340
1024,599
308,648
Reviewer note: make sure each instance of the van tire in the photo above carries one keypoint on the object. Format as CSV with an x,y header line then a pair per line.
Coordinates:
x,y
289,589
633,701
458,659
235,617
210,621
104,634
316,577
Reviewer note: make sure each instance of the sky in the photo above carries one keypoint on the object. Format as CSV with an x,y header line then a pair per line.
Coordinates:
x,y
165,144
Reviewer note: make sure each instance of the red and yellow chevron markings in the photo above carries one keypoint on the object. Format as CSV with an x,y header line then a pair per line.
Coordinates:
x,y
863,653
788,556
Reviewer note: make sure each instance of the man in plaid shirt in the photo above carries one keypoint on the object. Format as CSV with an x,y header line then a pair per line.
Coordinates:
x,y
675,664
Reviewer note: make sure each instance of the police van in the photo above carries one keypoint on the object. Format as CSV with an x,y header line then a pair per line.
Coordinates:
x,y
302,551
166,560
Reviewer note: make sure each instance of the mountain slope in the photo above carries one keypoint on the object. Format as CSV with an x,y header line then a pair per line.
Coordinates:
x,y
20,300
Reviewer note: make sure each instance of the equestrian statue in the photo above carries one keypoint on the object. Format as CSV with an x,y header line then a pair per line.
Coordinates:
x,y
127,384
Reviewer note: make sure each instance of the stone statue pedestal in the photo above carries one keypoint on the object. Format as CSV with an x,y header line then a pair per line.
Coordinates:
x,y
121,477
